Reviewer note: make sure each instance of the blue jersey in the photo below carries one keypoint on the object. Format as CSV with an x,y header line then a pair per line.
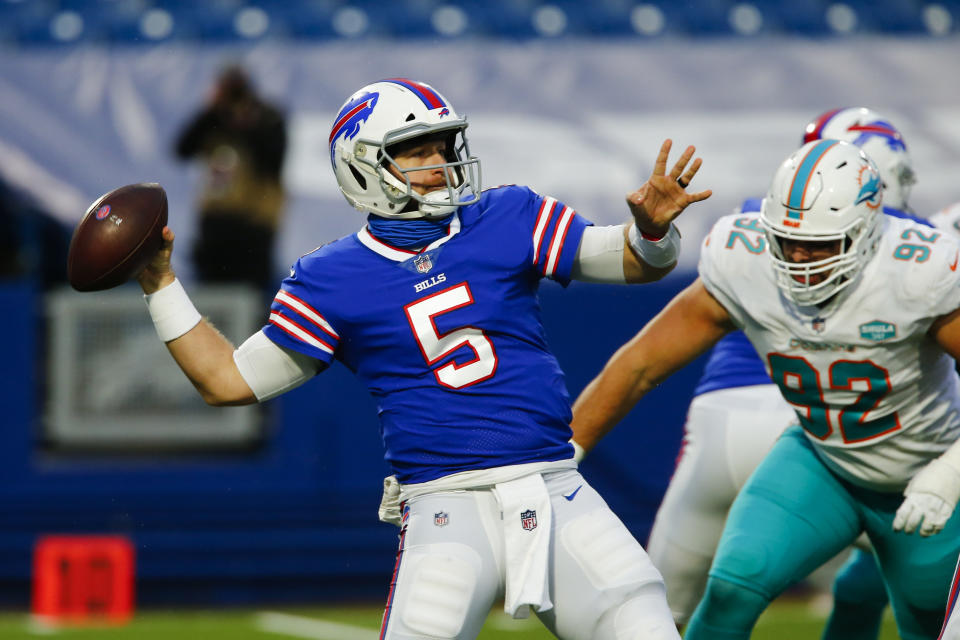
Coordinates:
x,y
733,362
448,339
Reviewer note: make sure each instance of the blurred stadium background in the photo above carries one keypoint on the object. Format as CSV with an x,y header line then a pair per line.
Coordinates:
x,y
277,505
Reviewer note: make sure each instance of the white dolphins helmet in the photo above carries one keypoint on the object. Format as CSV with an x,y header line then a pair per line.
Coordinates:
x,y
827,190
874,134
381,115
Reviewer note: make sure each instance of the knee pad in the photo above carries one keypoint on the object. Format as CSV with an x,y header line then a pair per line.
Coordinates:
x,y
435,595
644,615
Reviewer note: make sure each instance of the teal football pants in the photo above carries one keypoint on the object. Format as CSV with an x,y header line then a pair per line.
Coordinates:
x,y
793,515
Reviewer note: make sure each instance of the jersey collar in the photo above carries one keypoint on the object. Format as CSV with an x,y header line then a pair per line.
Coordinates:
x,y
397,254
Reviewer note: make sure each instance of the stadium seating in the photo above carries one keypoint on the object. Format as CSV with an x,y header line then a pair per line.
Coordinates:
x,y
144,22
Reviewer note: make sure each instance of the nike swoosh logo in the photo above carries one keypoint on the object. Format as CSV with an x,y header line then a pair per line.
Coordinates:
x,y
574,494
956,258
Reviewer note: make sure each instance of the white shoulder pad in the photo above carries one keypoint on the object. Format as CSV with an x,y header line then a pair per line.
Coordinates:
x,y
924,263
733,260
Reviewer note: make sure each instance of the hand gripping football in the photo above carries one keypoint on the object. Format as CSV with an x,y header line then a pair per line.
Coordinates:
x,y
117,237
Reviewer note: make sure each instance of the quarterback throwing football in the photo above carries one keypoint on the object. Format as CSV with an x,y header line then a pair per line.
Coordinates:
x,y
433,305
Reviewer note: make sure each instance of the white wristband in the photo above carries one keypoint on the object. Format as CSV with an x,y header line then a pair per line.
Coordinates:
x,y
952,456
172,311
656,253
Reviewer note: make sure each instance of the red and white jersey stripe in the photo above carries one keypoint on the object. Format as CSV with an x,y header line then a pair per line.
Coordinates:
x,y
951,622
300,307
302,322
549,234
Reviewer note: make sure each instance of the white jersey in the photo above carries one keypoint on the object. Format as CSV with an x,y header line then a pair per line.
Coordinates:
x,y
875,394
948,218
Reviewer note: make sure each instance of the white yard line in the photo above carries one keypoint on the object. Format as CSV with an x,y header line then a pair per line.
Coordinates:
x,y
312,628
42,625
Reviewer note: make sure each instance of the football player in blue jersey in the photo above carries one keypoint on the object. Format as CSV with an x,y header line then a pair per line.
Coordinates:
x,y
433,305
737,413
856,316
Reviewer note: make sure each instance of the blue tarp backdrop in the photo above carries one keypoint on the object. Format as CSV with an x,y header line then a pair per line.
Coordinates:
x,y
296,518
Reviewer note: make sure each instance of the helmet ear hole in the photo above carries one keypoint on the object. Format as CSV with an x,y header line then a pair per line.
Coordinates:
x,y
410,117
359,177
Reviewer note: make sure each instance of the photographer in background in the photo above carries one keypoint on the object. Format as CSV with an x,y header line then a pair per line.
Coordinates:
x,y
242,140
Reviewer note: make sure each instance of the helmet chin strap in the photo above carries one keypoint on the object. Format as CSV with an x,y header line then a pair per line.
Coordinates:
x,y
436,203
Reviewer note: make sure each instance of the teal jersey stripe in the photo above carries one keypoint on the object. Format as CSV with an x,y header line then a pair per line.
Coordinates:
x,y
802,177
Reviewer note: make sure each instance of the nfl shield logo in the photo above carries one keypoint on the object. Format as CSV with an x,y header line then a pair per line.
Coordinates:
x,y
441,519
819,324
423,263
528,520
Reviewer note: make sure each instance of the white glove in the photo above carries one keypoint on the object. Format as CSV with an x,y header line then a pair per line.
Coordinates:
x,y
930,497
389,510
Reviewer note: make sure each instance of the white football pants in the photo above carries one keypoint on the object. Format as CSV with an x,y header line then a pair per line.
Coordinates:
x,y
450,569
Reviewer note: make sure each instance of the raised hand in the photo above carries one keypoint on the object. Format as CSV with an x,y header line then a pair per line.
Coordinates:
x,y
663,196
158,273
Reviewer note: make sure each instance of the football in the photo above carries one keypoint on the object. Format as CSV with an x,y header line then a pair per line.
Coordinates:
x,y
117,236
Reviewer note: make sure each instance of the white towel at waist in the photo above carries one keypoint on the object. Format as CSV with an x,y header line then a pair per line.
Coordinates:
x,y
527,519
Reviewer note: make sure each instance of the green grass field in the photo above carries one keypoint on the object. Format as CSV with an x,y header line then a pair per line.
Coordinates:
x,y
785,620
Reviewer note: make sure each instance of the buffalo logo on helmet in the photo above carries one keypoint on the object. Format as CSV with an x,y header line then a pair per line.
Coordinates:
x,y
878,128
444,112
351,116
528,520
102,212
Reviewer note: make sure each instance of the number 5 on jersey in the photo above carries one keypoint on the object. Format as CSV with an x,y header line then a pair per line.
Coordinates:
x,y
434,346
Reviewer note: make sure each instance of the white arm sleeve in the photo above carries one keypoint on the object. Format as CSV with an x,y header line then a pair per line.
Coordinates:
x,y
600,256
270,369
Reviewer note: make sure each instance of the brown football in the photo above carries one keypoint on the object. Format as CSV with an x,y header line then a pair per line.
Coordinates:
x,y
118,235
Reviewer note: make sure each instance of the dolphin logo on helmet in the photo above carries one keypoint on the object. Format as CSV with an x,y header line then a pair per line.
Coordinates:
x,y
870,190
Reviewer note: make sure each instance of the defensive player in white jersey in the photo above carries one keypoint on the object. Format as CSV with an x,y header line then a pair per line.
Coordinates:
x,y
855,315
737,413
433,304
